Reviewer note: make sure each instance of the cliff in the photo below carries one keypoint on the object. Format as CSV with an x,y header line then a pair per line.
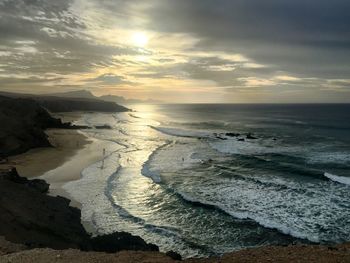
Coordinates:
x,y
63,102
22,125
30,217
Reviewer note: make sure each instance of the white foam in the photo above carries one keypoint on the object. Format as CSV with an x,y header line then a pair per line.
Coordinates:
x,y
89,190
329,157
338,179
146,171
183,132
256,218
250,147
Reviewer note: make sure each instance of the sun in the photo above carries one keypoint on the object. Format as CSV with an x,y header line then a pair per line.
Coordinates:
x,y
140,39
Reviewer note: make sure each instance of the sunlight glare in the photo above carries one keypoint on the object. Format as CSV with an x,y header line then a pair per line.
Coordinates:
x,y
140,39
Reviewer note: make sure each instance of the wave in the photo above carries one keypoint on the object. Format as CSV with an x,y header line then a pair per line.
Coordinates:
x,y
329,157
244,215
89,189
183,132
123,213
338,179
134,116
204,124
268,146
146,167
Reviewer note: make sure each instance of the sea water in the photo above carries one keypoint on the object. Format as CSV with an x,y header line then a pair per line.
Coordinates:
x,y
187,178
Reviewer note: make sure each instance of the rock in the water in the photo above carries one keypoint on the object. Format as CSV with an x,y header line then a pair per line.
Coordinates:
x,y
251,137
232,134
103,127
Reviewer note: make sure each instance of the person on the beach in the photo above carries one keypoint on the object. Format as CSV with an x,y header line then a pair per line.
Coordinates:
x,y
103,160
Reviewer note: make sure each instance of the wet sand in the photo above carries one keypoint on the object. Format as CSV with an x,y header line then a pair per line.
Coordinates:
x,y
71,169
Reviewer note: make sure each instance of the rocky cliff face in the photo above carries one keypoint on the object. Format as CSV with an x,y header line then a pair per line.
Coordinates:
x,y
22,125
23,120
67,102
30,217
56,104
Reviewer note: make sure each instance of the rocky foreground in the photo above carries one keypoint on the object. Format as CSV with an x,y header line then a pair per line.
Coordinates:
x,y
301,254
28,216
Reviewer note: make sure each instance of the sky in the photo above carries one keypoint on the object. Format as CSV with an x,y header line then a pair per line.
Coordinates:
x,y
200,51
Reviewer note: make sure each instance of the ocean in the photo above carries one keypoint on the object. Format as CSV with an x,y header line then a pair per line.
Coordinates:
x,y
204,180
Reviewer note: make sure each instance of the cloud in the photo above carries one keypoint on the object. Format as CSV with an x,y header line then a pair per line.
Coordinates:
x,y
304,37
205,47
110,79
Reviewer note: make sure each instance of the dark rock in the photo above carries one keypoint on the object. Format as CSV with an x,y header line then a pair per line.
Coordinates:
x,y
103,127
251,137
29,216
69,126
79,127
231,134
39,185
332,248
12,175
221,138
23,122
120,241
173,255
241,140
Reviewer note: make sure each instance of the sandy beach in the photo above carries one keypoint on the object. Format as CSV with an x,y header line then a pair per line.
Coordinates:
x,y
71,168
34,163
72,151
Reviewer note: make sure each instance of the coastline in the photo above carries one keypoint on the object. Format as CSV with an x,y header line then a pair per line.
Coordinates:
x,y
71,152
71,169
36,162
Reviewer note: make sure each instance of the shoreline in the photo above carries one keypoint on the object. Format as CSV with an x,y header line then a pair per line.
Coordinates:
x,y
72,151
36,162
56,234
72,168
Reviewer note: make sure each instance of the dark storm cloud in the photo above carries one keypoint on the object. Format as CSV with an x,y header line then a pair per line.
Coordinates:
x,y
316,23
294,35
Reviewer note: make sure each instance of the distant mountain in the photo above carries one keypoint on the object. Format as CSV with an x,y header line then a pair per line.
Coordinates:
x,y
62,102
112,98
122,100
78,94
84,95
